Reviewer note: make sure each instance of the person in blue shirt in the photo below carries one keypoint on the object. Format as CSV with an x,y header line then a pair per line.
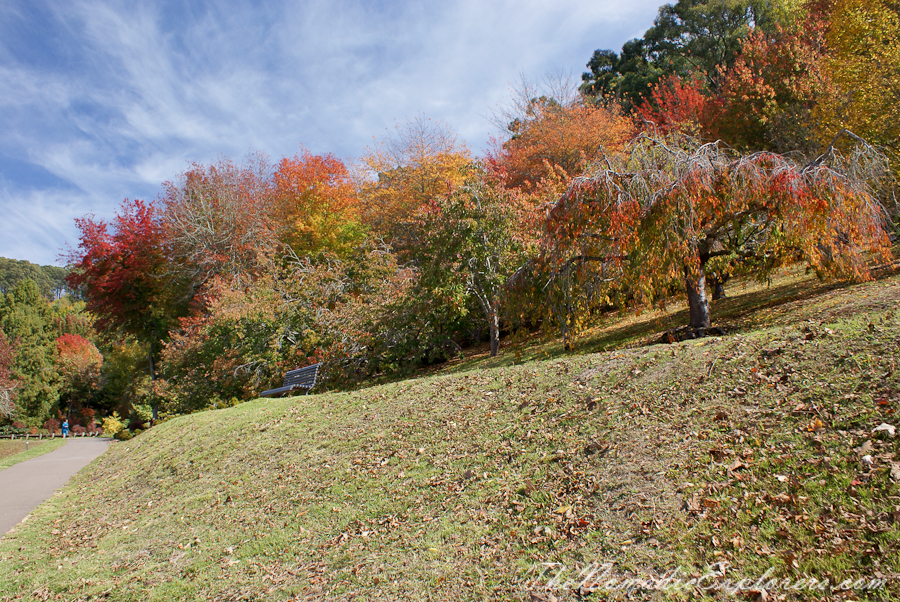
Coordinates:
x,y
65,428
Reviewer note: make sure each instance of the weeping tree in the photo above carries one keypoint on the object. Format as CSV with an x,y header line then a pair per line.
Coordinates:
x,y
667,211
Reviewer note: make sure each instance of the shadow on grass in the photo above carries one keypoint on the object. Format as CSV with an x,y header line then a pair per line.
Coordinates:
x,y
761,306
788,298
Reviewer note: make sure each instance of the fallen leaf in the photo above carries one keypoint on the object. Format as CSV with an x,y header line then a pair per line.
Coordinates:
x,y
718,454
596,447
885,427
737,464
865,448
692,504
782,499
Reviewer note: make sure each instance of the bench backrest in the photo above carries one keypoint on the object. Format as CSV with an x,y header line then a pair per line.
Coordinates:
x,y
302,377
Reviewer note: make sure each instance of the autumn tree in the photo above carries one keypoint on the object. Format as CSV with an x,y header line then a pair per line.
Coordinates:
x,y
421,160
314,205
294,313
79,363
771,93
863,41
679,106
8,383
552,135
766,99
659,216
123,271
216,219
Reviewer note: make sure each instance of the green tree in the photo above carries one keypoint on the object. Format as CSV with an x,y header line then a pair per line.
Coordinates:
x,y
27,318
49,279
696,38
473,236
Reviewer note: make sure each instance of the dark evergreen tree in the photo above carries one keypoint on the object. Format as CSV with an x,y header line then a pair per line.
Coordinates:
x,y
688,38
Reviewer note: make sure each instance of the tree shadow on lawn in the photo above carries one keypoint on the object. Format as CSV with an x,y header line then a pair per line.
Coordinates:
x,y
790,297
781,303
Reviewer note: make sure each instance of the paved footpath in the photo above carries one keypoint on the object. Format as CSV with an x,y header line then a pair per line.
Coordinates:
x,y
24,486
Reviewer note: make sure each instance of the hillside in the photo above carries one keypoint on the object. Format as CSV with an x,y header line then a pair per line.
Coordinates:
x,y
758,449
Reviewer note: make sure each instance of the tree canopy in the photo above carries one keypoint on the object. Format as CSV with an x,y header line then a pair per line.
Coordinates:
x,y
50,279
691,38
663,212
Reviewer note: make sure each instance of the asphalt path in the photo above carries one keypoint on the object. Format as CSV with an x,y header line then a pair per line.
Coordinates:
x,y
24,486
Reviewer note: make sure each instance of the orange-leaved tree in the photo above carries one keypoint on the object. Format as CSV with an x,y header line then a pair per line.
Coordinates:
x,y
553,140
315,205
79,362
420,161
658,216
769,96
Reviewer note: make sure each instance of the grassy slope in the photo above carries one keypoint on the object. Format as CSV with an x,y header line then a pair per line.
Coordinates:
x,y
739,449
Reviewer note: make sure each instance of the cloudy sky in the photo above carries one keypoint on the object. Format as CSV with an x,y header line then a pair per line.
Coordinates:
x,y
102,100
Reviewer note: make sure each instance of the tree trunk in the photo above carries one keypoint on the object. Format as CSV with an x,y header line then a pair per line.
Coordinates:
x,y
495,329
718,281
697,299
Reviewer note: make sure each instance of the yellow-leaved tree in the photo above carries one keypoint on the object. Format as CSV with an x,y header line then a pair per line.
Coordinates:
x,y
420,161
863,41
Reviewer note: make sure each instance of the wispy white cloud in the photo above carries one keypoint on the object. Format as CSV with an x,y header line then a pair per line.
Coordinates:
x,y
119,96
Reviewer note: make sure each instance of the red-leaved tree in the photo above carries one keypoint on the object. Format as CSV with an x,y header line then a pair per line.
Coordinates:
x,y
122,270
661,214
79,362
676,105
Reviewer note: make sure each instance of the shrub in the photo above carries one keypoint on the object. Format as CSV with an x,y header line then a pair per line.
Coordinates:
x,y
112,425
123,435
52,425
13,430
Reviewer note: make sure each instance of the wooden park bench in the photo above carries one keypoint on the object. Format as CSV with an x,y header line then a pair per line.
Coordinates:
x,y
301,378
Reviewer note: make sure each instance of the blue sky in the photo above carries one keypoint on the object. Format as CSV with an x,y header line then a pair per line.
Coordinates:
x,y
102,100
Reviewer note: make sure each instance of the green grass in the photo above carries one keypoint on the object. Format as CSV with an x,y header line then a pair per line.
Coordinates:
x,y
13,452
455,486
